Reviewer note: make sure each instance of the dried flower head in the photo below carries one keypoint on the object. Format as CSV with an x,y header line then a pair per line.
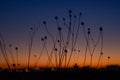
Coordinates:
x,y
75,16
56,17
65,50
42,39
10,45
45,37
80,13
59,28
108,57
44,22
55,49
88,30
14,65
70,11
16,48
82,23
31,28
78,50
58,41
63,19
101,53
100,28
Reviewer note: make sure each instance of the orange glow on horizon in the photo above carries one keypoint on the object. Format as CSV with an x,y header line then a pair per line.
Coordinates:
x,y
43,63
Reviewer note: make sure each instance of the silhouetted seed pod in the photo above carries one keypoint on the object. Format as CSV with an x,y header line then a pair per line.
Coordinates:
x,y
44,22
45,37
70,11
108,57
101,53
13,65
82,23
55,49
74,49
42,39
80,13
78,50
16,48
10,45
100,28
56,17
63,19
67,42
58,41
75,16
88,30
65,51
59,28
31,28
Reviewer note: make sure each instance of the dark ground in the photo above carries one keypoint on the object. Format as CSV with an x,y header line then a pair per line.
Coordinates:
x,y
111,73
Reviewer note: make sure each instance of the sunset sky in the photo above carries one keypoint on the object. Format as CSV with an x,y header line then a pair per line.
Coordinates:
x,y
17,16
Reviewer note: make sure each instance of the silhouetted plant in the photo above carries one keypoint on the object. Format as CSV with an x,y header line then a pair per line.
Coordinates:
x,y
101,49
12,57
30,42
16,49
3,49
44,22
108,60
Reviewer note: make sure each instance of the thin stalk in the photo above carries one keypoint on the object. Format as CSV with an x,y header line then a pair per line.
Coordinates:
x,y
101,49
39,55
3,49
32,33
10,51
44,22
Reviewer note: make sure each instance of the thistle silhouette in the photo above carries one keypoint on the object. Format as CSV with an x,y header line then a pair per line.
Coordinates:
x,y
3,49
17,64
64,43
30,43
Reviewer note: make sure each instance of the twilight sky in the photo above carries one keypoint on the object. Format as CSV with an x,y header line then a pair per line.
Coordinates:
x,y
17,16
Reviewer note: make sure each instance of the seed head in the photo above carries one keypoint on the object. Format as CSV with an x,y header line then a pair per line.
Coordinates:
x,y
80,13
78,50
45,37
88,30
44,22
65,50
82,23
70,11
63,19
74,49
59,28
55,49
42,39
10,45
75,16
101,53
14,65
56,17
100,28
31,28
16,48
58,41
108,57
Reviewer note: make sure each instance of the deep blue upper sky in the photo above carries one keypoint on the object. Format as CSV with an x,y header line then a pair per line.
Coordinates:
x,y
16,14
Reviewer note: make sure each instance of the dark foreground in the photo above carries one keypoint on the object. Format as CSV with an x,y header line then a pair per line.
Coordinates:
x,y
71,74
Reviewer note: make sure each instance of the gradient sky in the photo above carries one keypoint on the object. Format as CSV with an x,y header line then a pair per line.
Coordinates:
x,y
16,17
